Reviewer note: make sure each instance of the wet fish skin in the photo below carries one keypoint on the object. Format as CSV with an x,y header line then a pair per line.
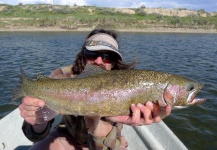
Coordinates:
x,y
109,93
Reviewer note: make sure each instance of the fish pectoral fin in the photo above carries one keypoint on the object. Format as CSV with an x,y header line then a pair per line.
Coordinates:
x,y
91,123
163,112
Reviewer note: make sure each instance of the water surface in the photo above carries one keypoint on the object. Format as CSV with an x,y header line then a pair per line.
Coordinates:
x,y
191,55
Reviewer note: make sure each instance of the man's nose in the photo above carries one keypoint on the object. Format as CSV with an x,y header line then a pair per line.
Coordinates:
x,y
98,60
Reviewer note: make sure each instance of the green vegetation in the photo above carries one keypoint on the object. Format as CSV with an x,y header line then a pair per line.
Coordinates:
x,y
73,17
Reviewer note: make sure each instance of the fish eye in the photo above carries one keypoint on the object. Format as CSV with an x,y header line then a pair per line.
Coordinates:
x,y
190,87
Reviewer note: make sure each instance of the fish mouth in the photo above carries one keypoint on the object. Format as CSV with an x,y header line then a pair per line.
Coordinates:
x,y
196,101
191,100
191,96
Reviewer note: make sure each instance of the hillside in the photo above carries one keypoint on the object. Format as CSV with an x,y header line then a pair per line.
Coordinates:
x,y
58,17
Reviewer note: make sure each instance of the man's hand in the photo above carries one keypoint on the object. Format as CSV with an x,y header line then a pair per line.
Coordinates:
x,y
28,109
36,113
142,114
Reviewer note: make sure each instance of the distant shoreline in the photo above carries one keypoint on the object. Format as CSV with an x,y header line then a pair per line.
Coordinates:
x,y
58,18
149,30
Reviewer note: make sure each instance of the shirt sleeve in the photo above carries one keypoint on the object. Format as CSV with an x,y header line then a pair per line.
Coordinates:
x,y
33,136
57,74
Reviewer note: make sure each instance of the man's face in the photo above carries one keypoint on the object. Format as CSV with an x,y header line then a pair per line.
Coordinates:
x,y
102,59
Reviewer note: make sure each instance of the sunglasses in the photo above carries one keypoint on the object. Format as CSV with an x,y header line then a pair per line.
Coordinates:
x,y
107,57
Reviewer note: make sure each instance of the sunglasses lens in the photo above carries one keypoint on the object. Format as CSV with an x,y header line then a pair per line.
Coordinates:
x,y
106,57
90,54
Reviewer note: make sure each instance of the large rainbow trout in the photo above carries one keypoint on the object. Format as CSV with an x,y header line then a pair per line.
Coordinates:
x,y
97,92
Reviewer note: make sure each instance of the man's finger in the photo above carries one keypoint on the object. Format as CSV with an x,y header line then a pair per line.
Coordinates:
x,y
26,114
135,114
29,101
31,120
146,114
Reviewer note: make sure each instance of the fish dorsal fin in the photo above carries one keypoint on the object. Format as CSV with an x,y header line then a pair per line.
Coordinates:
x,y
23,74
90,70
41,77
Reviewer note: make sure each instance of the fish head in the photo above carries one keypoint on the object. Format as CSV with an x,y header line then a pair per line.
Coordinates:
x,y
180,92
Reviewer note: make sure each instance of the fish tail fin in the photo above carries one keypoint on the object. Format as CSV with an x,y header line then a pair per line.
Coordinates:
x,y
18,92
23,75
45,114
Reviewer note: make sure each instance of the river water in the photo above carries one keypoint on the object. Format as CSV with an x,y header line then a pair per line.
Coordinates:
x,y
191,55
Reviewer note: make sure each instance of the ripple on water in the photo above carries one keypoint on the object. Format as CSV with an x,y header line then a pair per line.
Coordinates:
x,y
191,55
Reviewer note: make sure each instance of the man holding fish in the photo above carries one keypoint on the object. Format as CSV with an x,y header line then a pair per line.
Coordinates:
x,y
84,132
